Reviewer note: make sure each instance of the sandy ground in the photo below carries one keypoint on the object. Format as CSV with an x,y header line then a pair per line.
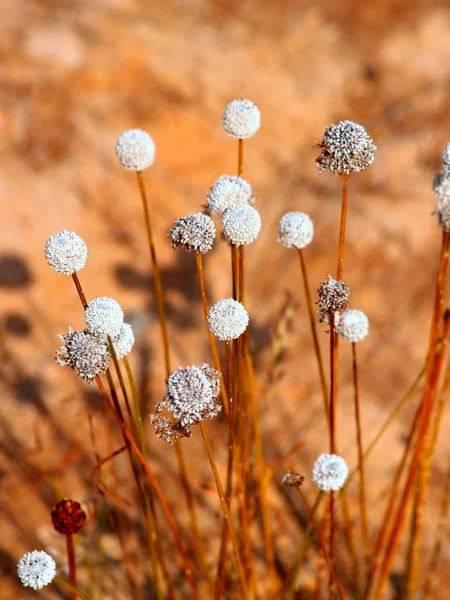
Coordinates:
x,y
75,75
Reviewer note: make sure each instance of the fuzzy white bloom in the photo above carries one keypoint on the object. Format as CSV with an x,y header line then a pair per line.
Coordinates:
x,y
36,569
227,191
104,316
195,233
135,150
353,325
330,472
241,224
66,252
446,160
296,230
227,319
241,119
441,187
124,341
85,353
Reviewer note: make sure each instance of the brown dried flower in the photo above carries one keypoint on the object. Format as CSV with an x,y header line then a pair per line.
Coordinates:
x,y
68,517
293,479
333,298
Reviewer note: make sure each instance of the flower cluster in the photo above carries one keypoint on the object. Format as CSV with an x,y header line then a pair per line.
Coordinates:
x,y
85,353
68,517
195,233
227,191
227,319
135,150
241,119
330,472
66,252
241,224
36,569
295,230
333,298
353,325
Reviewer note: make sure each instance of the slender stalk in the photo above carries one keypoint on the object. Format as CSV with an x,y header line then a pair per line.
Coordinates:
x,y
332,419
70,588
362,485
340,265
72,564
240,168
212,339
226,512
156,274
322,545
158,491
235,270
313,325
79,290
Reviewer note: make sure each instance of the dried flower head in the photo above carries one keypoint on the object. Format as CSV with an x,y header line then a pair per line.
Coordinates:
x,y
192,394
68,517
227,319
195,233
346,147
330,472
443,214
135,150
36,569
104,316
66,252
293,479
296,230
227,191
166,429
353,325
333,298
241,119
241,224
124,341
85,353
441,187
446,160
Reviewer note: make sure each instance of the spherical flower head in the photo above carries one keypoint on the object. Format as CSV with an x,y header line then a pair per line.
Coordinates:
x,y
36,569
135,150
227,191
296,230
346,147
441,187
353,325
85,353
192,394
227,319
104,316
124,341
241,119
293,479
446,160
333,298
241,224
330,472
66,252
195,233
68,517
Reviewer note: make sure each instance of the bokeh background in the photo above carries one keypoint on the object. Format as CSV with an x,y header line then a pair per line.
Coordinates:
x,y
73,76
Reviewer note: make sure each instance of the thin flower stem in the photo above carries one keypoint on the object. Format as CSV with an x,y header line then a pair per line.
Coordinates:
x,y
121,380
158,491
156,274
235,270
70,588
340,265
212,339
322,545
226,512
240,168
289,590
313,325
425,419
333,398
362,485
72,564
79,290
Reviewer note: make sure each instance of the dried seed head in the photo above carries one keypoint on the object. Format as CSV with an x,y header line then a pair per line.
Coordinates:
x,y
68,517
353,325
441,187
227,319
66,252
167,430
124,341
333,298
195,233
104,316
192,394
36,569
228,191
241,119
241,224
446,160
443,214
135,150
330,472
296,230
293,479
85,353
346,147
